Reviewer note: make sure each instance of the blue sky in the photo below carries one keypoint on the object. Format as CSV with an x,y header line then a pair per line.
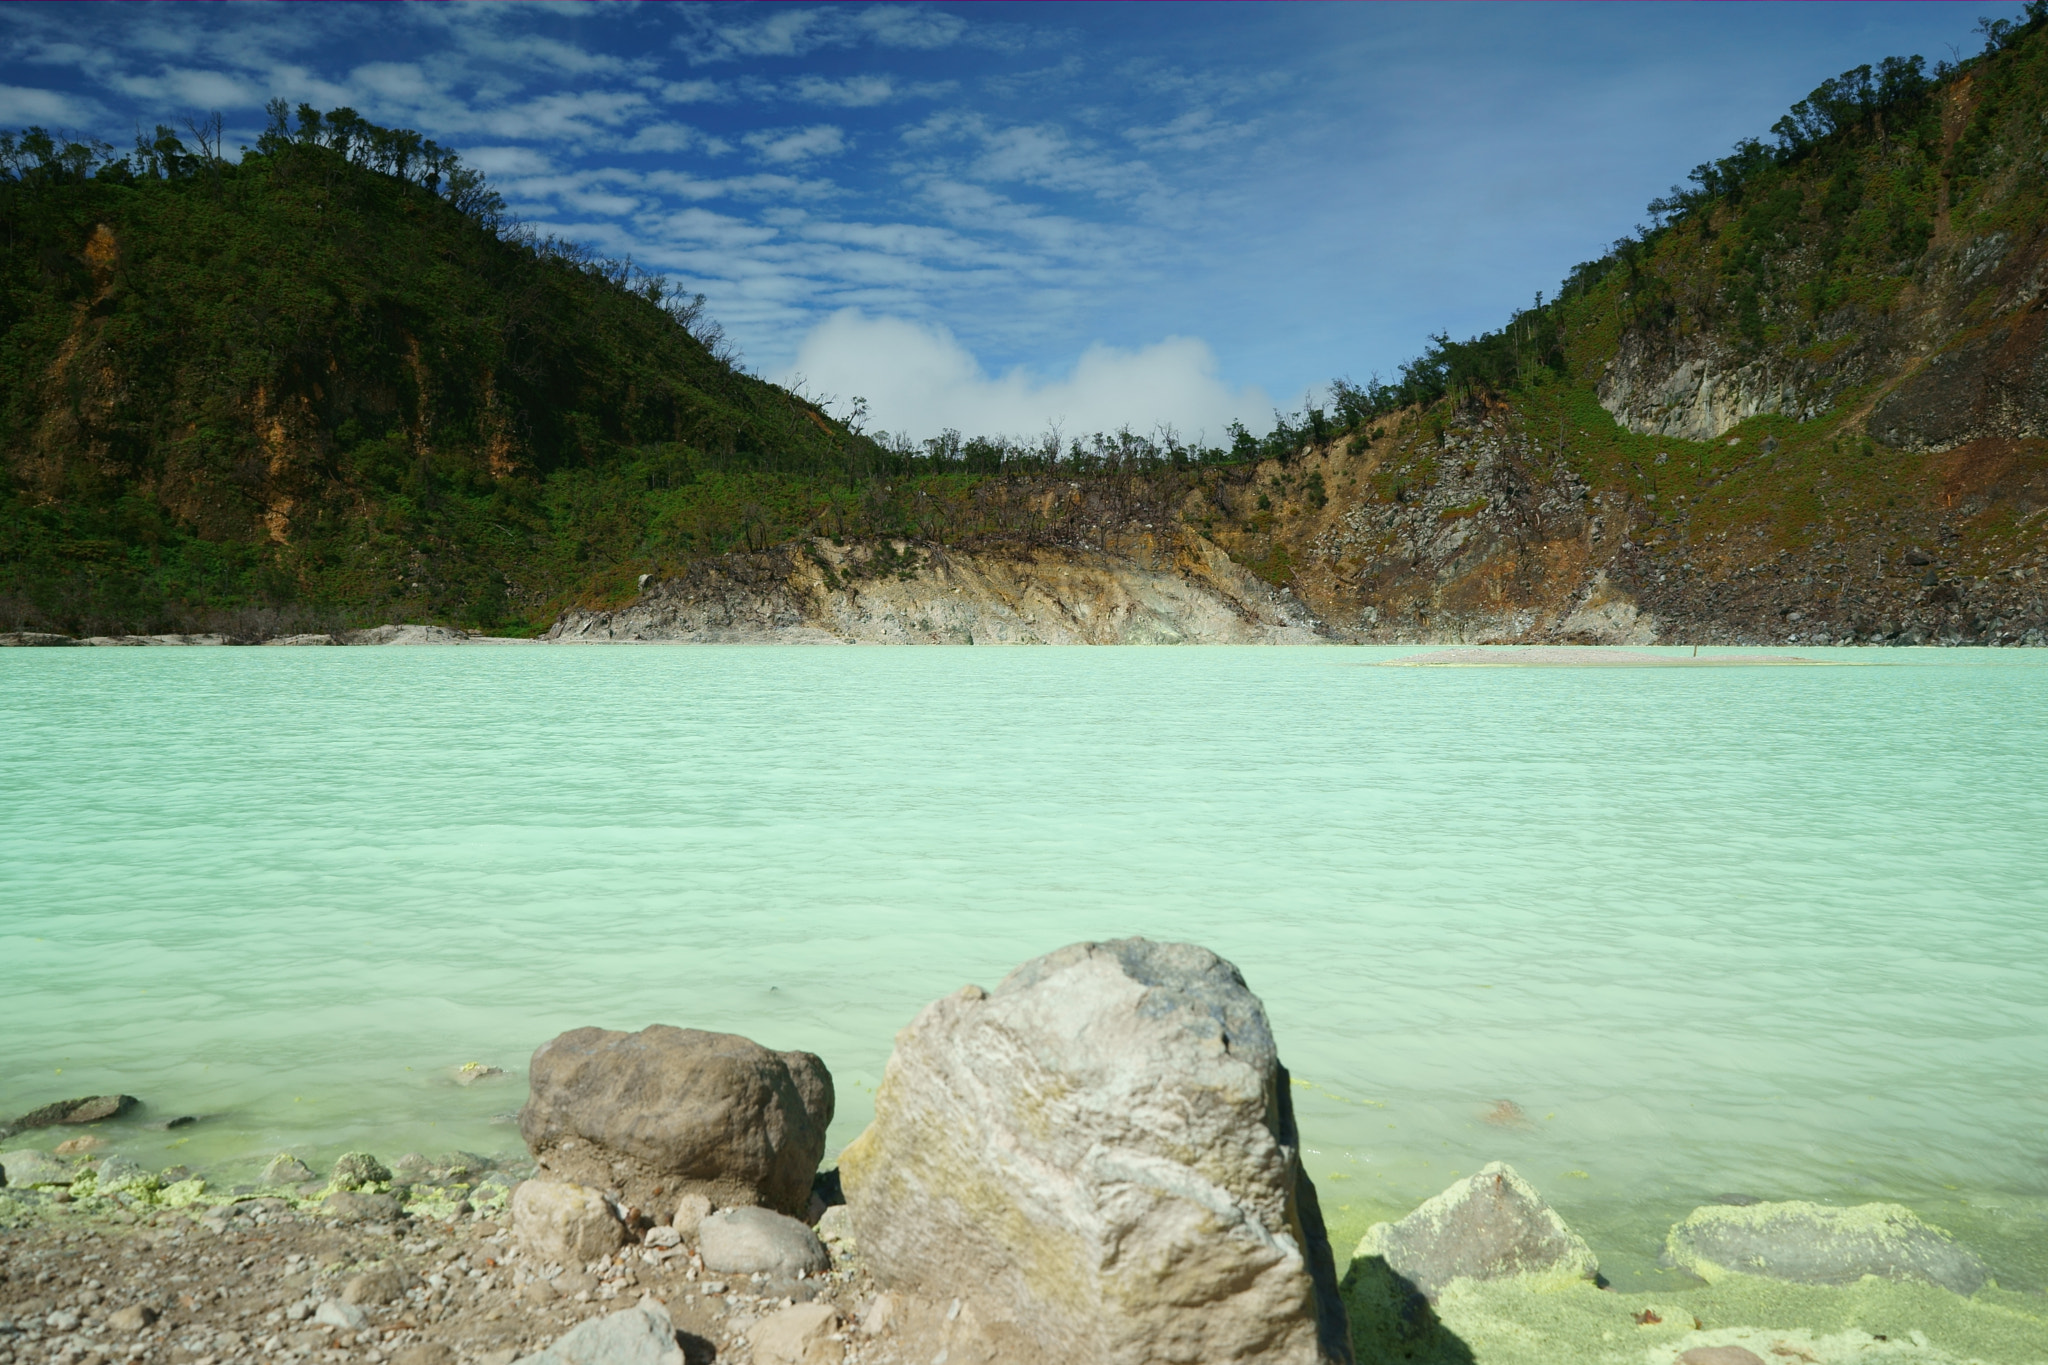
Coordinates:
x,y
998,217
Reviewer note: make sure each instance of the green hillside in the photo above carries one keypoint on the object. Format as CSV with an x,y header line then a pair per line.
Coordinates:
x,y
325,383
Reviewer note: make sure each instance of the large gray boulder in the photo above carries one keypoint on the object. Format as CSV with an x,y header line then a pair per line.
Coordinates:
x,y
28,1167
640,1335
1490,1226
668,1111
1100,1156
1815,1244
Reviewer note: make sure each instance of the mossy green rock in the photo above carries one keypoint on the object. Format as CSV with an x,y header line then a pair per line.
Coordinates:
x,y
1814,1244
354,1170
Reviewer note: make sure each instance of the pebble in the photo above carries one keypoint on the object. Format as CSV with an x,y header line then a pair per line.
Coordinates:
x,y
334,1313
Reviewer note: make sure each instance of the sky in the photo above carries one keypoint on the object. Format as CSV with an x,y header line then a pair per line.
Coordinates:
x,y
1007,218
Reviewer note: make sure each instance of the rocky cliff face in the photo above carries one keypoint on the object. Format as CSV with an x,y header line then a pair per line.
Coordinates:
x,y
1133,588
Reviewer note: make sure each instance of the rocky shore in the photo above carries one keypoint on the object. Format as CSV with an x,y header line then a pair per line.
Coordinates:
x,y
1094,1162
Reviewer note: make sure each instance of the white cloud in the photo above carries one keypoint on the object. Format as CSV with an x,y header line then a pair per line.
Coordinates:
x,y
919,380
785,145
851,92
19,105
508,160
794,32
672,137
911,26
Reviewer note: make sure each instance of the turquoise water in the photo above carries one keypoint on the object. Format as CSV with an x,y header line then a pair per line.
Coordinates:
x,y
1777,932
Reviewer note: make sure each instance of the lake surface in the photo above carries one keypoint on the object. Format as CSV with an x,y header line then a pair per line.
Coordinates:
x,y
1777,932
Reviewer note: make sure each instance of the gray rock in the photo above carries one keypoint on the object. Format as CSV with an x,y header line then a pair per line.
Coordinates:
x,y
353,1170
1719,1355
641,1335
117,1172
36,1168
381,1285
335,1313
1101,1154
1489,1226
133,1318
308,639
286,1169
746,1241
691,1211
801,1334
558,1223
1813,1244
668,1111
348,1206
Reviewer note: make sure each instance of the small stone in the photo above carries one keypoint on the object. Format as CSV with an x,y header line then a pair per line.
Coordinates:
x,y
374,1286
286,1169
115,1172
570,1283
353,1170
538,1291
754,1240
469,1073
559,1223
77,1146
425,1353
349,1207
663,1238
334,1313
798,1335
63,1320
691,1210
881,1314
835,1224
640,1335
133,1318
1719,1355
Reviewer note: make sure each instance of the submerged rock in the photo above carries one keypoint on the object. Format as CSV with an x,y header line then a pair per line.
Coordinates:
x,y
668,1111
640,1335
557,1223
1101,1156
86,1109
1814,1244
1489,1226
747,1241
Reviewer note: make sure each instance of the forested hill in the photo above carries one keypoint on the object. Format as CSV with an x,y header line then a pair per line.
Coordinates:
x,y
326,383
1809,402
